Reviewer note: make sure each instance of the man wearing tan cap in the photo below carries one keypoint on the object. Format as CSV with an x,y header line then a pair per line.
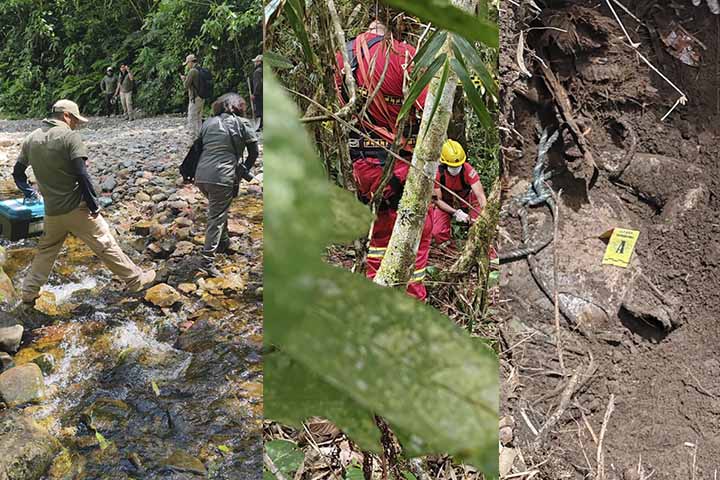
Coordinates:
x,y
57,156
196,102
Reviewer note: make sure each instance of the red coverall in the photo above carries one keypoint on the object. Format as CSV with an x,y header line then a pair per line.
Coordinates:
x,y
367,170
461,185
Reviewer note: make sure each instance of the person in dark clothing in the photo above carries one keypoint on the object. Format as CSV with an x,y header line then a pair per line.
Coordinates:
x,y
225,137
108,85
257,91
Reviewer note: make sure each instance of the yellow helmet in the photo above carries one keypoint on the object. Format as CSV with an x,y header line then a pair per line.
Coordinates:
x,y
452,154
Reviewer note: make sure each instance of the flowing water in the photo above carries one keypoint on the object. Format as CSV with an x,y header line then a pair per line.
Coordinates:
x,y
140,392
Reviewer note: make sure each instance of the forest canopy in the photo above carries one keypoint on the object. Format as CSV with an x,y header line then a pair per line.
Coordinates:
x,y
51,49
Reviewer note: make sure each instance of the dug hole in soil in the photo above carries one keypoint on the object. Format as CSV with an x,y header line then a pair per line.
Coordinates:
x,y
637,394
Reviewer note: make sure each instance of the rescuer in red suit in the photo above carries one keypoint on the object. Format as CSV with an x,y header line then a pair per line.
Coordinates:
x,y
368,54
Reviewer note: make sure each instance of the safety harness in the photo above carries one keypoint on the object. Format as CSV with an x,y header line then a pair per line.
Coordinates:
x,y
466,188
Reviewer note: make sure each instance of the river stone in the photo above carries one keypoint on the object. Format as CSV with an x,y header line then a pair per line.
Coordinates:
x,y
27,449
10,338
109,185
23,384
183,248
163,295
7,291
142,197
46,362
183,462
6,362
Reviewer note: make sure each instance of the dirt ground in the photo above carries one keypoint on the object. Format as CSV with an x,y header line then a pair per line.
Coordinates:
x,y
639,345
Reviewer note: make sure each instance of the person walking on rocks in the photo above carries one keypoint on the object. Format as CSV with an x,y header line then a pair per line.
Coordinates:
x,y
125,90
108,86
257,91
57,156
196,103
225,137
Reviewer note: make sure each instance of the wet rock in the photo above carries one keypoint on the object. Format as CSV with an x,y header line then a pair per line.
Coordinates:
x,y
163,295
142,228
7,291
23,384
46,362
106,415
27,449
183,462
109,184
187,287
6,362
183,248
10,338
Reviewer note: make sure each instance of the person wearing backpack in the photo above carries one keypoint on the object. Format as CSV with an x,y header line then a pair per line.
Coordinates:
x,y
126,85
458,176
198,83
223,140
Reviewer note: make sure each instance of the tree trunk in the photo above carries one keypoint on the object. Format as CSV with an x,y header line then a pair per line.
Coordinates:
x,y
398,263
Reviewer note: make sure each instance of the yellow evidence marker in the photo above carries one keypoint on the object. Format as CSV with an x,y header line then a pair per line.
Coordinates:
x,y
620,247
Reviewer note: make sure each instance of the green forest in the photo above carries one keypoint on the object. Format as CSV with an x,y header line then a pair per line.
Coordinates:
x,y
51,49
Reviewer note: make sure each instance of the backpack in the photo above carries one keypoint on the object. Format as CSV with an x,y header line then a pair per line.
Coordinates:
x,y
190,164
204,85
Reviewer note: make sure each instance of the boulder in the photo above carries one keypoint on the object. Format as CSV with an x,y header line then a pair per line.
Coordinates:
x,y
23,384
27,449
10,338
6,362
163,295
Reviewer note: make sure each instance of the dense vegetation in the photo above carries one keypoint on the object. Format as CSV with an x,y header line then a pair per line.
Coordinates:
x,y
60,48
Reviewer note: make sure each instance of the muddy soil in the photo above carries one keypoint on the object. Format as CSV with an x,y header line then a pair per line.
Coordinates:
x,y
644,336
171,390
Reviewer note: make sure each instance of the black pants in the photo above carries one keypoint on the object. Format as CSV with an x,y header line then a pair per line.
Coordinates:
x,y
258,104
110,106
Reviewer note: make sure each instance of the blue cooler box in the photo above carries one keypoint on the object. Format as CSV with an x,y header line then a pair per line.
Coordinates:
x,y
18,220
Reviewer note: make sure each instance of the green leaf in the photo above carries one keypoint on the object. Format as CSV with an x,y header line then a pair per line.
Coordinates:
x,y
441,87
409,476
224,449
276,61
295,14
470,56
419,86
155,388
285,455
427,53
472,94
444,15
345,348
101,440
355,473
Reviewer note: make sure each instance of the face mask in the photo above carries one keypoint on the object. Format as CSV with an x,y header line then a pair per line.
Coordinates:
x,y
455,171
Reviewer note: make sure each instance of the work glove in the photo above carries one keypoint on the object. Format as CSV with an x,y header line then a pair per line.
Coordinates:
x,y
461,216
713,5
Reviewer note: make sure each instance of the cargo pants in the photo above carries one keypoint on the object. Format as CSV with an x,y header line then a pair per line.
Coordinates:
x,y
94,232
219,200
126,100
195,109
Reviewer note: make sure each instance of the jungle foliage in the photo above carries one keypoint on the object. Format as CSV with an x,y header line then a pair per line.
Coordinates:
x,y
52,49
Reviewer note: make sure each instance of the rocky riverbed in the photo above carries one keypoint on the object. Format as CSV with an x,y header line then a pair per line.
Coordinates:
x,y
163,385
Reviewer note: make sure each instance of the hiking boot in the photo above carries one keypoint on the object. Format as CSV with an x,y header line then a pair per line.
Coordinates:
x,y
29,300
147,280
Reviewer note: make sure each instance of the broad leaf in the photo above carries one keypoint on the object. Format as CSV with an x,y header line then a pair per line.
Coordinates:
x,y
276,61
295,15
473,96
419,85
428,52
470,56
365,349
285,455
443,14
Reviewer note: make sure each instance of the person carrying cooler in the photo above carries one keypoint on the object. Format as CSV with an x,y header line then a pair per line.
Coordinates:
x,y
460,178
57,156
